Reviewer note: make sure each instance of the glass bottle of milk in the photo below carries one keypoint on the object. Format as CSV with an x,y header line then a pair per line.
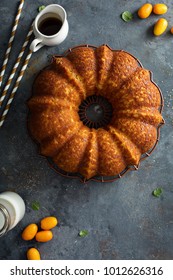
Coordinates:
x,y
12,210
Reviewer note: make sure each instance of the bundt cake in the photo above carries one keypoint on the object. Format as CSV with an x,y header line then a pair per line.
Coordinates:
x,y
125,115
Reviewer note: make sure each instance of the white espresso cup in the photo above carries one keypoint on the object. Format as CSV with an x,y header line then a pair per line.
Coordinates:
x,y
50,27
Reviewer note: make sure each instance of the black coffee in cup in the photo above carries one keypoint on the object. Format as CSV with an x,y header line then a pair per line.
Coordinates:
x,y
50,26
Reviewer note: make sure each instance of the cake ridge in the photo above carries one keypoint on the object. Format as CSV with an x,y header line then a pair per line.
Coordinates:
x,y
141,88
75,146
102,51
84,61
54,101
76,79
112,162
43,148
149,116
118,74
116,133
146,133
89,164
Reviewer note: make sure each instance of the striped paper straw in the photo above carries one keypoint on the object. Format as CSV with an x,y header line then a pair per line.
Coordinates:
x,y
4,93
22,71
13,32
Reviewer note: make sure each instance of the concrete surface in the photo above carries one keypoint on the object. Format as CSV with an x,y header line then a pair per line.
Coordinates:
x,y
123,219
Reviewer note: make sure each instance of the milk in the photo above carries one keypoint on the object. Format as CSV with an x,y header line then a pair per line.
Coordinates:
x,y
12,210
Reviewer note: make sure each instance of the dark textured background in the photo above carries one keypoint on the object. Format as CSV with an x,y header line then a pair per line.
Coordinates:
x,y
124,220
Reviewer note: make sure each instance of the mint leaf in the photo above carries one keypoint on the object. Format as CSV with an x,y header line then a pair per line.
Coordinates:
x,y
83,233
35,205
127,16
41,8
157,192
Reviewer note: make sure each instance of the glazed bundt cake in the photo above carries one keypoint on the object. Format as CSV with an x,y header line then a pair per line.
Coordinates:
x,y
111,83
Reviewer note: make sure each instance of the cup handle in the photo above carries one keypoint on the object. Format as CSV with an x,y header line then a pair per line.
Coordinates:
x,y
36,45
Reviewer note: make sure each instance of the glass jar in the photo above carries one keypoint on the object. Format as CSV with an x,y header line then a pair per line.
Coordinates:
x,y
12,210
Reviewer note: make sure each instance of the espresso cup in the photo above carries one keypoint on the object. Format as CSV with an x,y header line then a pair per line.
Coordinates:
x,y
50,27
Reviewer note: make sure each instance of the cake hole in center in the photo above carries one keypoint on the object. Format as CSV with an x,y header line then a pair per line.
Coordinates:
x,y
95,111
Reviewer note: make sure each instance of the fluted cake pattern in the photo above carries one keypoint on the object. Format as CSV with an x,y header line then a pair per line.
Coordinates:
x,y
84,71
